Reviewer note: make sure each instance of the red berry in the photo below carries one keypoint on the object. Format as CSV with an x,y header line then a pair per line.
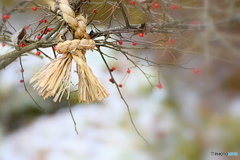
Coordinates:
x,y
55,48
196,71
195,22
175,7
159,85
120,85
156,5
34,8
120,42
111,80
38,53
134,43
3,44
132,2
172,40
21,80
49,29
6,16
94,11
22,45
21,70
141,34
43,31
39,37
128,71
112,69
43,21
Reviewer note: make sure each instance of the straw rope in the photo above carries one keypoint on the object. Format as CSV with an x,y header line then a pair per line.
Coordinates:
x,y
54,78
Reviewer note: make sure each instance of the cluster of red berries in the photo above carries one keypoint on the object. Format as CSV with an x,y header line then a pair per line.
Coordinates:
x,y
121,43
170,40
22,45
21,80
155,5
46,30
113,81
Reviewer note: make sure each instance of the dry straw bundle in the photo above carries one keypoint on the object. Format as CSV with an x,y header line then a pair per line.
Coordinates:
x,y
54,79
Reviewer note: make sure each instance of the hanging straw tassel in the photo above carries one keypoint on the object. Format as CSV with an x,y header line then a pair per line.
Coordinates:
x,y
89,87
54,78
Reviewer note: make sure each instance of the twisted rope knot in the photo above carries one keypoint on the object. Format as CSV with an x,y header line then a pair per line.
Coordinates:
x,y
54,78
70,46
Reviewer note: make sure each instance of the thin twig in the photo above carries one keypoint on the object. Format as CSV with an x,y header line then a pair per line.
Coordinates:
x,y
120,93
25,87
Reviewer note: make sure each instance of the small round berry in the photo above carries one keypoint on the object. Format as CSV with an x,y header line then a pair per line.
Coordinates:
x,y
141,34
134,43
39,37
172,40
6,16
196,71
3,44
112,69
159,85
175,7
120,85
38,53
34,8
94,11
156,5
21,70
128,71
22,45
49,29
120,42
55,48
111,80
132,2
195,22
21,80
43,21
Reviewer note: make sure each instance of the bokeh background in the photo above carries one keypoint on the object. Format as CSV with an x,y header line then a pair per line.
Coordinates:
x,y
190,117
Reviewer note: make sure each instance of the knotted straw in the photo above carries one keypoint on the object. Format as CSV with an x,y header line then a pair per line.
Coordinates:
x,y
54,79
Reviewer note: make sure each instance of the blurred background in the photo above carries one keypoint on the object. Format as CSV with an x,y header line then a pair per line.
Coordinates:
x,y
193,115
